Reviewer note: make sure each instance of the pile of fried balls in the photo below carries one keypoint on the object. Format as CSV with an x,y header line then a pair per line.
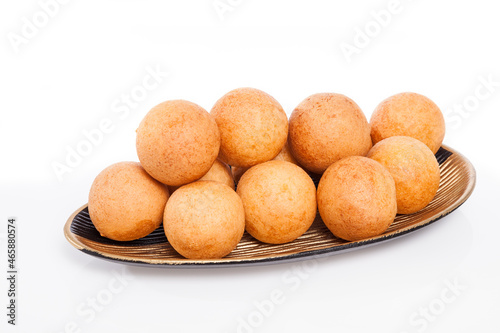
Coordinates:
x,y
191,161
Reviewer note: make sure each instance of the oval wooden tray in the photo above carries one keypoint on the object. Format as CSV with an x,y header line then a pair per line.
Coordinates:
x,y
458,178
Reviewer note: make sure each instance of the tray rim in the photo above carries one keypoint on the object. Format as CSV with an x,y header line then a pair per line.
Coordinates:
x,y
267,260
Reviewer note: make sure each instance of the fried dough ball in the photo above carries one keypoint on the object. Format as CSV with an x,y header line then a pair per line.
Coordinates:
x,y
220,172
126,203
325,128
409,114
357,198
253,127
177,142
204,220
414,169
279,199
284,155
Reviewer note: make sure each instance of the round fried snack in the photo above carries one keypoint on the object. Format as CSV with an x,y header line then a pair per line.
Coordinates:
x,y
280,201
414,169
204,220
325,128
125,202
409,114
357,198
177,142
220,172
284,155
253,127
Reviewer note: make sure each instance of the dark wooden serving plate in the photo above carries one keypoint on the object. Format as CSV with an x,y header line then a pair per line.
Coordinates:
x,y
458,178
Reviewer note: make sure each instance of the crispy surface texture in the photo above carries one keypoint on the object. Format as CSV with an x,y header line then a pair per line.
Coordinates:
x,y
204,220
325,128
357,198
220,172
409,114
177,142
414,169
253,127
280,201
284,155
126,203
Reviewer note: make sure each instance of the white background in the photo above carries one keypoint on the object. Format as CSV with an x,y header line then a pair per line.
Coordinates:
x,y
65,77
